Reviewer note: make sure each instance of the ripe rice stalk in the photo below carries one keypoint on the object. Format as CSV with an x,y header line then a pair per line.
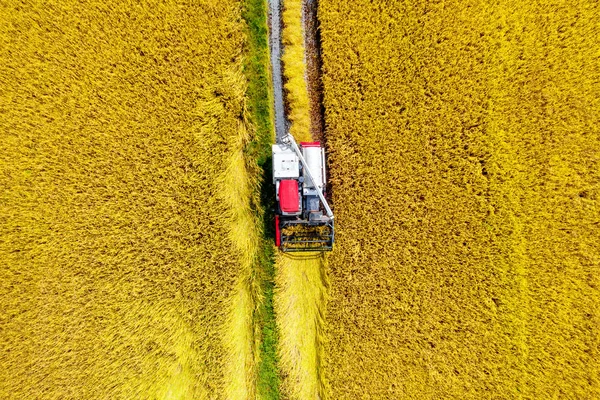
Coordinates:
x,y
300,298
294,70
240,189
464,165
127,240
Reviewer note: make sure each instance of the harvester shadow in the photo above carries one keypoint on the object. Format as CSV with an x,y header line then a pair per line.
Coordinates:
x,y
268,381
267,198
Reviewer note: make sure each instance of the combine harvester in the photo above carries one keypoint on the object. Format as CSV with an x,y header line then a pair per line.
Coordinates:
x,y
303,219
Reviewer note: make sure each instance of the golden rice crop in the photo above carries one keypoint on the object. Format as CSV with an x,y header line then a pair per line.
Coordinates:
x,y
126,235
299,301
294,69
465,168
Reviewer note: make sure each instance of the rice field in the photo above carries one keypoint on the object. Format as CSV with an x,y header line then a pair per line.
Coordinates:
x,y
127,234
463,145
464,161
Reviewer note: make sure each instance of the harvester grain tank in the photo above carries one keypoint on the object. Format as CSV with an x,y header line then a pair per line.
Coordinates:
x,y
303,219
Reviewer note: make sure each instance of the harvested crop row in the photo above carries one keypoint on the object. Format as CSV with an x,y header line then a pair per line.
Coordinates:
x,y
127,238
300,298
300,283
464,158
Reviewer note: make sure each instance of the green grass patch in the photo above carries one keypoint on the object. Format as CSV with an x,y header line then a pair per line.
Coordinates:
x,y
268,373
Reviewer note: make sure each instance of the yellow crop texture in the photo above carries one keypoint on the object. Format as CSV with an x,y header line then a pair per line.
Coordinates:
x,y
127,239
299,301
294,70
464,159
